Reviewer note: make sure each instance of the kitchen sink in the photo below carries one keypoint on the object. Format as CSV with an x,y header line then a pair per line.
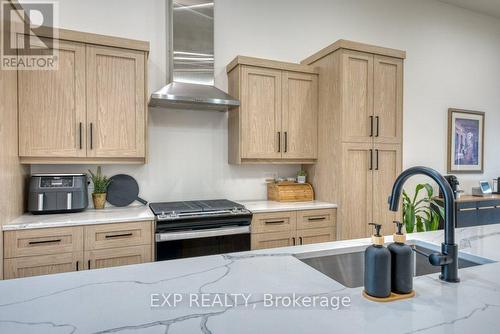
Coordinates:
x,y
347,266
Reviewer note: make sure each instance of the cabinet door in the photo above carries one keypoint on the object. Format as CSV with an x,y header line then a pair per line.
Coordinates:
x,y
42,265
272,240
388,99
315,235
357,190
114,257
387,167
357,97
52,114
300,115
261,136
116,108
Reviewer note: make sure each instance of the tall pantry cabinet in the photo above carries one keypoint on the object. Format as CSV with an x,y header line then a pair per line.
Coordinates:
x,y
359,133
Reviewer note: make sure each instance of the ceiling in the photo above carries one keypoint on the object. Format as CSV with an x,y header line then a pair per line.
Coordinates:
x,y
488,7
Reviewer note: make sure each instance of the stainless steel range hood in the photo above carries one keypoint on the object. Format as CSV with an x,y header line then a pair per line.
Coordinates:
x,y
190,24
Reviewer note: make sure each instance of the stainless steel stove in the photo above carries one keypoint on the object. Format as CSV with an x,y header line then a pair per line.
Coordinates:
x,y
197,228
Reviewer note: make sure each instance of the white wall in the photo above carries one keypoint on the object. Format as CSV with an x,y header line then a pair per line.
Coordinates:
x,y
452,61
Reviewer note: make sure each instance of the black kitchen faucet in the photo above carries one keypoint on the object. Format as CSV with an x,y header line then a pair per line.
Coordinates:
x,y
448,258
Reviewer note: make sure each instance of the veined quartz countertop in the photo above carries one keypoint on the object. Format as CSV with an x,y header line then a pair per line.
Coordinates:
x,y
128,299
272,206
87,217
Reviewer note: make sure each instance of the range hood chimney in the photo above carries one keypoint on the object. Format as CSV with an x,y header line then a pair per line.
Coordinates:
x,y
190,24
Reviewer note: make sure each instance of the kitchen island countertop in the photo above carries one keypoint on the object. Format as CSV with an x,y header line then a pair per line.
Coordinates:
x,y
132,298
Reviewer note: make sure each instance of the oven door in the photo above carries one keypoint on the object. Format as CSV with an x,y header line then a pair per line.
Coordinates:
x,y
190,243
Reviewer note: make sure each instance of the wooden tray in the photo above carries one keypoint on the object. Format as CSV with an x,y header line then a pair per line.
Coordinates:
x,y
290,192
392,298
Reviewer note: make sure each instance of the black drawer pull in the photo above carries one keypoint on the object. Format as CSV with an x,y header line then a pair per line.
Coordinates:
x,y
44,242
119,235
275,222
316,218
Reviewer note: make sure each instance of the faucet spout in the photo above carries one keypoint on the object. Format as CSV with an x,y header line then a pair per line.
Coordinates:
x,y
449,267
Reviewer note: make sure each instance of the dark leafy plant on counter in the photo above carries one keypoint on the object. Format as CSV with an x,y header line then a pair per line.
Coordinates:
x,y
422,213
100,181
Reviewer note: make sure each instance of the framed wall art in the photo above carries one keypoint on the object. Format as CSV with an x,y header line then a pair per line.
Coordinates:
x,y
465,141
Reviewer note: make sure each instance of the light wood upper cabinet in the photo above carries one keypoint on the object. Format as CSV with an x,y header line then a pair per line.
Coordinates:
x,y
116,108
357,96
277,119
261,96
52,116
300,122
360,133
388,99
91,109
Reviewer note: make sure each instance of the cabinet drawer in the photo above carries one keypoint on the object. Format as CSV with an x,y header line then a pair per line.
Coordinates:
x,y
43,241
315,235
274,222
273,240
316,218
105,258
42,265
118,235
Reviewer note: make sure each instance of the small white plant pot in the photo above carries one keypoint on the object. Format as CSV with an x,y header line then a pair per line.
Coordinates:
x,y
301,179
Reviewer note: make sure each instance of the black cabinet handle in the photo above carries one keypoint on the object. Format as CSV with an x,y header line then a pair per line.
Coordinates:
x,y
316,218
89,263
293,240
77,265
377,119
110,236
371,160
300,240
286,141
81,135
279,142
44,242
91,136
275,222
376,159
371,126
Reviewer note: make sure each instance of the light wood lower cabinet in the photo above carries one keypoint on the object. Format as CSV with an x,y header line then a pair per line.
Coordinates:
x,y
114,257
64,249
291,228
42,265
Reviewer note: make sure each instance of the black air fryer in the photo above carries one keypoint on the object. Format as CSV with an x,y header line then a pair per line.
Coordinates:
x,y
453,181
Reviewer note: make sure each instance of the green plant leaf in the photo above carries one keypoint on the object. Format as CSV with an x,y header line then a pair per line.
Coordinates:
x,y
420,225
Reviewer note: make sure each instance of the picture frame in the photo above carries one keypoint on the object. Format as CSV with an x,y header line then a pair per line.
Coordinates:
x,y
465,141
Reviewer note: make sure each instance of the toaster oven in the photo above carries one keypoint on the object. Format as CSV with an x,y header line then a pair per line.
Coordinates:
x,y
57,193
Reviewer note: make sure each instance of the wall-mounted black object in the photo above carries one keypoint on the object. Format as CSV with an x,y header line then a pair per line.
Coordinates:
x,y
448,259
123,190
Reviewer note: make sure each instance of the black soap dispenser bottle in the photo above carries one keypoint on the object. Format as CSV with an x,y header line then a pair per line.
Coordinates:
x,y
377,267
401,263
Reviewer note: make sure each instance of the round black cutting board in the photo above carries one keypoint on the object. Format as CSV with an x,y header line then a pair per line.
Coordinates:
x,y
123,190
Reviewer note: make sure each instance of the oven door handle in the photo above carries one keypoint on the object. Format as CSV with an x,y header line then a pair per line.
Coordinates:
x,y
195,234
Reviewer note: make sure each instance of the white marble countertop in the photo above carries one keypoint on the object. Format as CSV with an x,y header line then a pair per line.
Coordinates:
x,y
272,206
87,217
127,299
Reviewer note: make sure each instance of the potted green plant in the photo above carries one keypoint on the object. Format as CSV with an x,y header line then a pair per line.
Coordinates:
x,y
422,213
101,184
301,176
